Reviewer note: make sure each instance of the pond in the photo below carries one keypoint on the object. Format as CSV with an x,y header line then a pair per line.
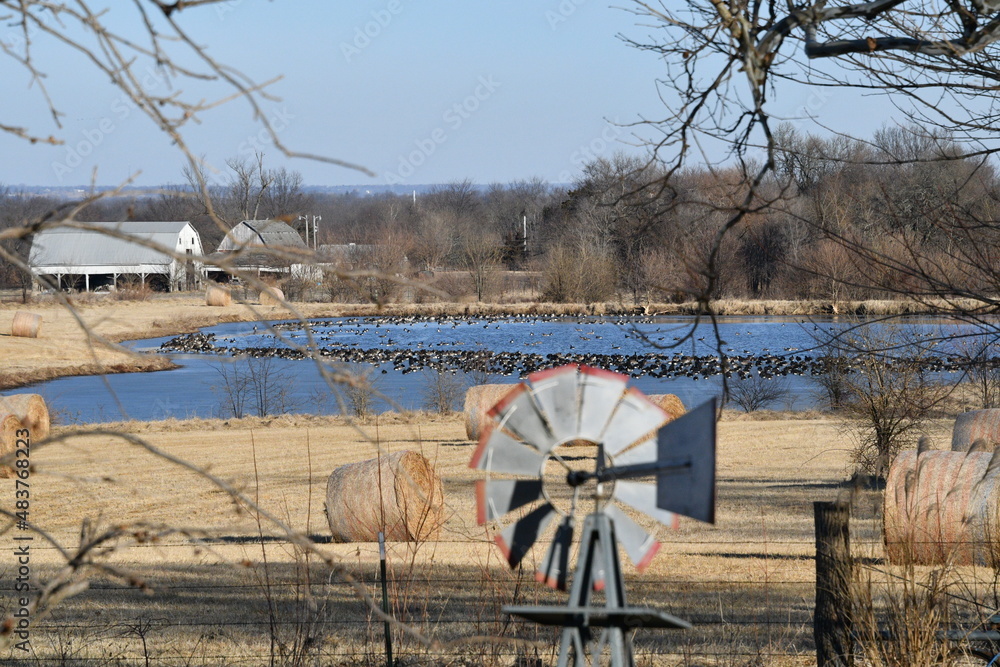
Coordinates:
x,y
403,357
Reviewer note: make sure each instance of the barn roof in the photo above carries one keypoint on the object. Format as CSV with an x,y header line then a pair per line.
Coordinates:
x,y
275,233
66,246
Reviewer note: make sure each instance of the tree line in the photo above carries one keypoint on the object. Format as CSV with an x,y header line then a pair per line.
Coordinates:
x,y
838,218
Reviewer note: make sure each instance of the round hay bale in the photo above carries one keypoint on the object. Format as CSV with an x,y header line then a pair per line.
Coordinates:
x,y
272,296
670,404
31,410
942,507
218,295
975,425
9,426
26,325
478,401
399,494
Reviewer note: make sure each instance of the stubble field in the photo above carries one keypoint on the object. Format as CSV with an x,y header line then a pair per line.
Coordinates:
x,y
222,587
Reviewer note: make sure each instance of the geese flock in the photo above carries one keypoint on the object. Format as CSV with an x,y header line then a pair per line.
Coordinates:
x,y
411,344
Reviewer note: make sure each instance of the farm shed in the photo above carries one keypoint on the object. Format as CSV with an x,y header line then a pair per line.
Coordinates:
x,y
261,247
87,259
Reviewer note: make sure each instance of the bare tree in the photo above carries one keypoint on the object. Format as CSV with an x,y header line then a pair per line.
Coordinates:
x,y
479,254
724,61
754,392
889,389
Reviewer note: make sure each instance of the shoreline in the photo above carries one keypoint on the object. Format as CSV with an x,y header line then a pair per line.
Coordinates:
x,y
85,340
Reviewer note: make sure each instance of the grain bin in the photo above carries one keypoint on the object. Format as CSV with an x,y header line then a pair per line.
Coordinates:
x,y
974,425
218,295
31,410
272,296
399,494
942,507
478,401
26,325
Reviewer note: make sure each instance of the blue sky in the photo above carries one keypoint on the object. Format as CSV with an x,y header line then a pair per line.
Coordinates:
x,y
415,92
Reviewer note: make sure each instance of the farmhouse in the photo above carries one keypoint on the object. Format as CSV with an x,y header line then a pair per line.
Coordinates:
x,y
263,247
164,255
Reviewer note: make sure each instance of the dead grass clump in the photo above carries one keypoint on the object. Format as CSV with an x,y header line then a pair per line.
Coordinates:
x,y
133,291
898,616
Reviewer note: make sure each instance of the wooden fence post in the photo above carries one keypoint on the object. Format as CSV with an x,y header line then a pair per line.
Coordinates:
x,y
832,619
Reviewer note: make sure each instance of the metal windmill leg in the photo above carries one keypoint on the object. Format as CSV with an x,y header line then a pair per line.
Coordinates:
x,y
573,639
614,593
597,544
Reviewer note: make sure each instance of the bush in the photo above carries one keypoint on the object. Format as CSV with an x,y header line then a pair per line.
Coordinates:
x,y
443,391
889,391
753,392
133,290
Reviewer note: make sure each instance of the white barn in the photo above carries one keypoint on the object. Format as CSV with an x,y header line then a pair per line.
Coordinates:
x,y
262,233
258,247
87,259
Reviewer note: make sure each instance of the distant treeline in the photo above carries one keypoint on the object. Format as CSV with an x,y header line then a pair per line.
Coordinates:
x,y
629,231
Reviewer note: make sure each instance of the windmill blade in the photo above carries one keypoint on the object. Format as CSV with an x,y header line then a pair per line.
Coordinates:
x,y
644,452
634,417
639,545
497,497
556,391
600,392
642,497
689,490
518,413
555,568
498,452
517,538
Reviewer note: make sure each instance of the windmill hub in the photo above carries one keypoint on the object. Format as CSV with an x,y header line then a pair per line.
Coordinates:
x,y
575,460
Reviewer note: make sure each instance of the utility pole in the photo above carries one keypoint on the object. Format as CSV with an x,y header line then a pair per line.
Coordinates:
x,y
305,219
524,234
314,223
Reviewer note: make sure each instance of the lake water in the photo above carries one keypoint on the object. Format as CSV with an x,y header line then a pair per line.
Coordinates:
x,y
403,357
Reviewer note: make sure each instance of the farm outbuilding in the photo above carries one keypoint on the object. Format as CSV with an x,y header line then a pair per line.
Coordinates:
x,y
261,247
163,255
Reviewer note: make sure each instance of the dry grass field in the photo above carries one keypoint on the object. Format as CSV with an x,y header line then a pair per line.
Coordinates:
x,y
224,588
176,571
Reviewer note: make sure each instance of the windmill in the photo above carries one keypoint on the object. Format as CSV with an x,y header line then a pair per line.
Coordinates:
x,y
531,480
